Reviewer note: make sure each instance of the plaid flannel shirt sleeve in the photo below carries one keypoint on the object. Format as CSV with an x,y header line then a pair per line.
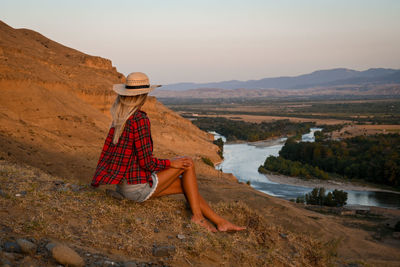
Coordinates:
x,y
144,147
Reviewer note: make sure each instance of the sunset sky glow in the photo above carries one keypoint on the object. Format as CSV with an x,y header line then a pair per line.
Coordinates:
x,y
206,41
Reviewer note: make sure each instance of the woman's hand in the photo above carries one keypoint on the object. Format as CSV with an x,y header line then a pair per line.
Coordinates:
x,y
181,163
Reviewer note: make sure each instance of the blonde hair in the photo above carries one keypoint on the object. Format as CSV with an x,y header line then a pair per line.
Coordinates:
x,y
122,109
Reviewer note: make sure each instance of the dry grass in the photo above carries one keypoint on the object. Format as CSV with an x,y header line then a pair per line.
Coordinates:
x,y
89,219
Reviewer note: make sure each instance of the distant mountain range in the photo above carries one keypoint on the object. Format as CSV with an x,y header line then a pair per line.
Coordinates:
x,y
320,78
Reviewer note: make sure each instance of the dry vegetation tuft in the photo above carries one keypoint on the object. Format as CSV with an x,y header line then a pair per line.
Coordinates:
x,y
86,218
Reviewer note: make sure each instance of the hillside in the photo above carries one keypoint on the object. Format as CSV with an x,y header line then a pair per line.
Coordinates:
x,y
52,103
53,122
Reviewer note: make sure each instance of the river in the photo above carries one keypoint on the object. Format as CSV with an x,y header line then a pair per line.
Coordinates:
x,y
243,160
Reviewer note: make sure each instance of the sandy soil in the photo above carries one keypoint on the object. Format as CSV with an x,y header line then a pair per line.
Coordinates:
x,y
329,184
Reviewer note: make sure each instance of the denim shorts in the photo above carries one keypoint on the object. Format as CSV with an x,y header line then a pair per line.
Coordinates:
x,y
138,192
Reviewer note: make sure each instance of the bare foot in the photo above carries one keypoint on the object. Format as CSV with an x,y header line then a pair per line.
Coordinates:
x,y
204,223
227,226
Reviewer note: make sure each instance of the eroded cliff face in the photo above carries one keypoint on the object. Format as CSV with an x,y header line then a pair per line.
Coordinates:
x,y
54,108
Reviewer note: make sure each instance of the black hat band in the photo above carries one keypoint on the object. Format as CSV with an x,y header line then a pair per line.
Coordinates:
x,y
137,86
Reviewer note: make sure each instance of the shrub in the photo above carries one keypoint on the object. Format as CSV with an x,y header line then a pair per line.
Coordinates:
x,y
207,161
220,144
300,200
317,196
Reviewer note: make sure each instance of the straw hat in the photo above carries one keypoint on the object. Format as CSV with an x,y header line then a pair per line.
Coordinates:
x,y
137,83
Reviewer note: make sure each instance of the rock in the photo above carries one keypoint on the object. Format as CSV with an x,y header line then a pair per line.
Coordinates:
x,y
12,247
114,194
58,182
283,235
75,188
180,236
156,230
130,264
28,262
108,263
163,251
50,246
62,189
27,246
396,235
66,256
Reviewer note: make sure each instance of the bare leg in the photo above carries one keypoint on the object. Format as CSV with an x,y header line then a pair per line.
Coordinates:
x,y
166,180
189,180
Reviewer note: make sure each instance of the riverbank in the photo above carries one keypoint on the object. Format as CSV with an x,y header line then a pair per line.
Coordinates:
x,y
261,143
327,184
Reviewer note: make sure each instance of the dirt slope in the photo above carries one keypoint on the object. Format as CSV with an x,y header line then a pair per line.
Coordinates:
x,y
52,117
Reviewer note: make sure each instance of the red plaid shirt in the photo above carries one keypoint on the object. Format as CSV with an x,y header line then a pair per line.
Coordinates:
x,y
132,157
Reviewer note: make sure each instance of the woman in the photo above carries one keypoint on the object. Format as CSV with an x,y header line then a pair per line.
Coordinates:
x,y
127,158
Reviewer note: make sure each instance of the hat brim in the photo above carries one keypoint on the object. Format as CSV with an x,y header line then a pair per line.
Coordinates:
x,y
121,90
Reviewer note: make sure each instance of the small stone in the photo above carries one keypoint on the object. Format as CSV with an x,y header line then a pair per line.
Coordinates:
x,y
180,236
170,237
12,247
23,193
156,230
114,194
108,263
58,182
50,246
27,246
163,251
283,235
75,187
28,262
67,256
62,189
130,264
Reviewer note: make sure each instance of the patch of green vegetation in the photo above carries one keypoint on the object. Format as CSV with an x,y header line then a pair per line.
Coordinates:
x,y
372,158
207,161
220,143
241,130
336,198
291,168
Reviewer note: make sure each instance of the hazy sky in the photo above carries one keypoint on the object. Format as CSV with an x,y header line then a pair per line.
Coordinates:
x,y
204,41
